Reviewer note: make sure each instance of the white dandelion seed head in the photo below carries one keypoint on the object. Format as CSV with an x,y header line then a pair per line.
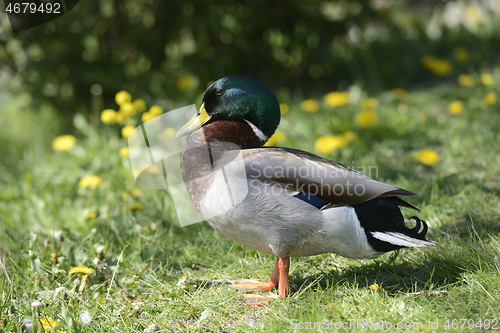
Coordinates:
x,y
58,234
85,317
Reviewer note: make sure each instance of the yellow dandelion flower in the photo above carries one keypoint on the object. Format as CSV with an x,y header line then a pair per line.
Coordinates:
x,y
309,105
139,105
337,98
85,279
81,269
461,54
47,323
455,107
375,286
126,196
349,136
489,99
428,61
399,93
441,67
427,156
64,143
474,14
108,116
91,181
53,256
368,103
127,109
366,118
136,193
284,108
120,118
122,97
276,138
123,152
328,143
127,130
156,110
465,80
438,66
146,116
168,133
133,207
487,79
92,214
136,172
187,82
153,169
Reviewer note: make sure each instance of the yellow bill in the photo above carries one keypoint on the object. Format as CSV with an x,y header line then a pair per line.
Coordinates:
x,y
196,122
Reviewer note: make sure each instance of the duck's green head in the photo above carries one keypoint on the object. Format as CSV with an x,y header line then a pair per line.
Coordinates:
x,y
237,98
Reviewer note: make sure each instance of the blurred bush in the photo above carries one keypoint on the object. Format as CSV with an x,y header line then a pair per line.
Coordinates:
x,y
168,51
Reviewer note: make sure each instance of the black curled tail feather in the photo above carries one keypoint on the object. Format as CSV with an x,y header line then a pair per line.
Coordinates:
x,y
415,230
385,227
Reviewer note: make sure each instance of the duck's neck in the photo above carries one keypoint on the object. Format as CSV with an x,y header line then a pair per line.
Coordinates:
x,y
242,133
211,142
206,146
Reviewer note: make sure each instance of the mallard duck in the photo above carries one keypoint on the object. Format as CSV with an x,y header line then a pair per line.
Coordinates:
x,y
295,203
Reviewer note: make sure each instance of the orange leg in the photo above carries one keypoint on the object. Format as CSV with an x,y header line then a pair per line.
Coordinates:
x,y
279,279
247,284
275,275
284,266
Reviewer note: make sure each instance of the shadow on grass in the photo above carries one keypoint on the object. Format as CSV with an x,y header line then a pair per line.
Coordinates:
x,y
442,268
462,248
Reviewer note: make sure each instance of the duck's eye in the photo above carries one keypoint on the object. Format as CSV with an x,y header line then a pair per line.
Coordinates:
x,y
219,91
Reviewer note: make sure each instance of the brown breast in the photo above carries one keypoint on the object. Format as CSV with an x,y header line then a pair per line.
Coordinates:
x,y
206,145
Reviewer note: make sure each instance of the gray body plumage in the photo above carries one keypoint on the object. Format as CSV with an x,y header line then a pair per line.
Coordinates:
x,y
282,225
249,196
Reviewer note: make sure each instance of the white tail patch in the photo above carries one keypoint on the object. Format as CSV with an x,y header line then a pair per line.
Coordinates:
x,y
400,239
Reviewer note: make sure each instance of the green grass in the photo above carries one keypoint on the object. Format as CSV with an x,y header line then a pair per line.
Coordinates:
x,y
149,258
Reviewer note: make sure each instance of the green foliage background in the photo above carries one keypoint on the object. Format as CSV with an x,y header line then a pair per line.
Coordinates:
x,y
307,47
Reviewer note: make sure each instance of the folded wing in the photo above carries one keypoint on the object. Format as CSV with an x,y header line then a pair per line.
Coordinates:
x,y
303,172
